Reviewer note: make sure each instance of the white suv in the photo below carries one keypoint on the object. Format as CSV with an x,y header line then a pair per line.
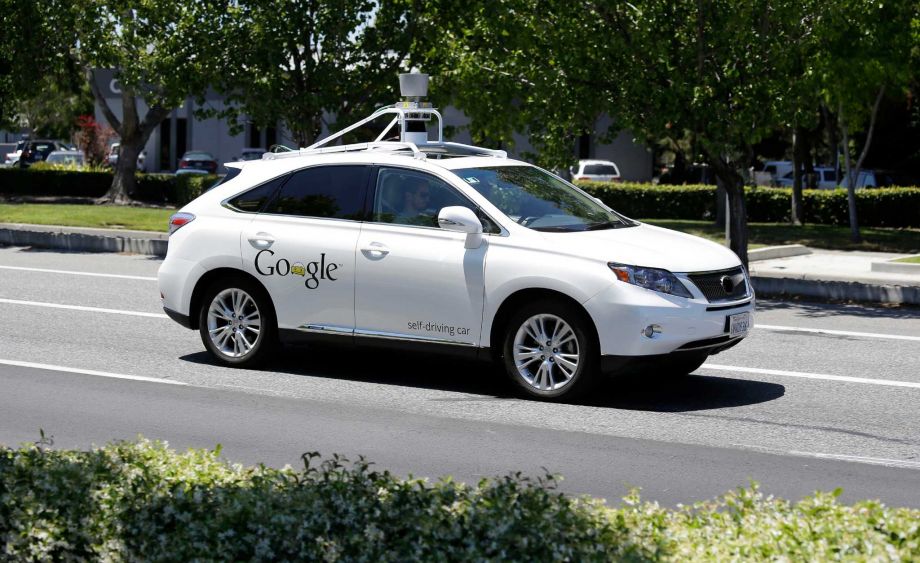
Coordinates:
x,y
596,171
444,247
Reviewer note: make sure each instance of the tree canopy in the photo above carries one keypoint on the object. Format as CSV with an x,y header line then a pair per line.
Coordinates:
x,y
714,76
306,62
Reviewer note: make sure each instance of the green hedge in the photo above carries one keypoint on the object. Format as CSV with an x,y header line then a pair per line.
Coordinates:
x,y
156,188
141,501
882,207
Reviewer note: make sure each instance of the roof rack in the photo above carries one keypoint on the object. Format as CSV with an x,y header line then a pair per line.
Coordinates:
x,y
411,116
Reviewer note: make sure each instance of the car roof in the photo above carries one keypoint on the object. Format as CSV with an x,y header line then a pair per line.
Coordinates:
x,y
592,161
258,171
66,152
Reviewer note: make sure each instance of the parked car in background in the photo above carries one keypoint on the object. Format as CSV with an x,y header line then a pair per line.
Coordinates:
x,y
67,158
37,151
777,170
826,178
12,157
115,150
252,154
197,162
866,179
596,170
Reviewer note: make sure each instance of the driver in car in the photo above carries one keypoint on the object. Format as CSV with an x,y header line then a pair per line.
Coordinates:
x,y
415,204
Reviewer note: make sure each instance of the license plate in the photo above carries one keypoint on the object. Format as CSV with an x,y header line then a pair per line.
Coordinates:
x,y
740,324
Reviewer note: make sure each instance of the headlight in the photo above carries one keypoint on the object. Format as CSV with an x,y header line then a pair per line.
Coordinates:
x,y
650,278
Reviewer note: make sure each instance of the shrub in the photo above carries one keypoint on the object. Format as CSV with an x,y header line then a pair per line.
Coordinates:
x,y
49,180
652,201
190,186
881,207
141,501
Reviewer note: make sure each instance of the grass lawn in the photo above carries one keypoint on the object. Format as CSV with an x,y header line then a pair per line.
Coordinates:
x,y
904,241
875,239
101,216
910,260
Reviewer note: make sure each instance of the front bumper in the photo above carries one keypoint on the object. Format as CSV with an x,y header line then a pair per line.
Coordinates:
x,y
623,311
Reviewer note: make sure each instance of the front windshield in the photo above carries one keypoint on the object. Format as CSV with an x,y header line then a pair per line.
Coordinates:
x,y
539,200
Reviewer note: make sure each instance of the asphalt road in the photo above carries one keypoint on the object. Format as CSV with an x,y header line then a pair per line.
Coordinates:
x,y
818,397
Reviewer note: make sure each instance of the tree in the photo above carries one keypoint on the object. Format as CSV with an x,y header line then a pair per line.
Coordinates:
x,y
162,51
523,66
40,87
864,52
303,62
704,73
800,102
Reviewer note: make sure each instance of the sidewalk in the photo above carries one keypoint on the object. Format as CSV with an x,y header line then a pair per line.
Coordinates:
x,y
836,275
775,271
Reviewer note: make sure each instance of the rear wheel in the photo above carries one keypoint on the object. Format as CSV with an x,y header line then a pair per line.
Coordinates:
x,y
237,322
550,351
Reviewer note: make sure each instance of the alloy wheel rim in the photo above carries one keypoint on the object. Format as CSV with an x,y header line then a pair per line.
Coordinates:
x,y
234,323
546,352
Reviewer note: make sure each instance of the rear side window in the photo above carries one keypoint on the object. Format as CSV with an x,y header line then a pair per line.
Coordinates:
x,y
324,191
254,200
231,174
601,170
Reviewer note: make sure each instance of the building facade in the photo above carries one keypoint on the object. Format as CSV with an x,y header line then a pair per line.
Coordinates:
x,y
183,131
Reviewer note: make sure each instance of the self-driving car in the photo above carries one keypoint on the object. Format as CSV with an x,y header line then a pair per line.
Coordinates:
x,y
431,245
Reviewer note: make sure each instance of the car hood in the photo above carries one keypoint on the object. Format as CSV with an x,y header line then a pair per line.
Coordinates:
x,y
647,246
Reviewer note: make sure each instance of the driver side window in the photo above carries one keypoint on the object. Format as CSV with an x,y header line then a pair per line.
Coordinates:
x,y
407,197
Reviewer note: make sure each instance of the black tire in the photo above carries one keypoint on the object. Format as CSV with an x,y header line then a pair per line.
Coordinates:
x,y
681,364
262,344
560,382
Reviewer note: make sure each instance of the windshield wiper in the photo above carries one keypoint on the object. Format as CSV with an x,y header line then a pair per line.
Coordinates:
x,y
605,225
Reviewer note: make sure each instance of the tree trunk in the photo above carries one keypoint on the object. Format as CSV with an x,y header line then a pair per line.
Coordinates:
x,y
865,150
799,154
125,183
737,222
133,133
833,141
851,186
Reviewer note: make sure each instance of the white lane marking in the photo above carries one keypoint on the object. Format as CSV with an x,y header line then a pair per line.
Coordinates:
x,y
862,459
82,308
838,332
887,462
805,375
89,372
118,276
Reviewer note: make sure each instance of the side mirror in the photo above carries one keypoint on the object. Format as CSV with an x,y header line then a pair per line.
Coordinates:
x,y
462,220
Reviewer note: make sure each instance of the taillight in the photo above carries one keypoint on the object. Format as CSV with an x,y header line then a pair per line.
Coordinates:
x,y
179,220
183,164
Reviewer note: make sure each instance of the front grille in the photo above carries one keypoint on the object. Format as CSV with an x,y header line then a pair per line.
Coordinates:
x,y
713,284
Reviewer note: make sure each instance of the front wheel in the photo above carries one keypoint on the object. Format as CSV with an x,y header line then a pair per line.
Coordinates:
x,y
237,323
550,351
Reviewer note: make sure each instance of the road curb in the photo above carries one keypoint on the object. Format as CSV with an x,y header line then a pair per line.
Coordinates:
x,y
771,252
836,290
77,239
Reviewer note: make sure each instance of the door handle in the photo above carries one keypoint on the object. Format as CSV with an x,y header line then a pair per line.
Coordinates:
x,y
375,250
262,241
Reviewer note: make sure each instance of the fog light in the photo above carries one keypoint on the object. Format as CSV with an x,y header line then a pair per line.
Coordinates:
x,y
651,330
